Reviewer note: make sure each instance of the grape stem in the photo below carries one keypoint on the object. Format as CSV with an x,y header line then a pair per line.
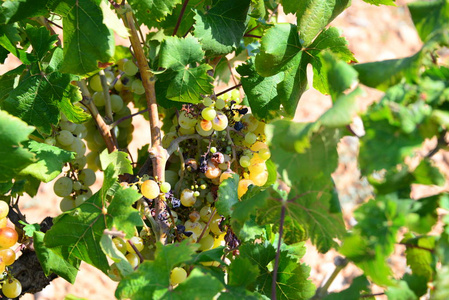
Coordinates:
x,y
107,97
181,14
126,117
157,153
207,225
229,89
102,127
340,264
136,251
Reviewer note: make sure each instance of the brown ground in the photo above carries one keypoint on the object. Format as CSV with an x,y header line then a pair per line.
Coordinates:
x,y
374,33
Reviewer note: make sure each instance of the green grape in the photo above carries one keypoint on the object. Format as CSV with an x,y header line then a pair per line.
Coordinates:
x,y
92,161
130,68
4,209
78,147
213,150
196,194
150,189
80,199
67,203
194,227
250,138
185,120
114,273
188,198
203,132
205,213
63,187
165,187
250,122
79,163
120,244
67,125
87,177
98,98
186,131
194,216
206,242
80,131
264,154
137,87
109,76
235,95
220,122
168,138
8,237
65,137
95,83
50,141
245,161
220,104
12,288
177,276
137,242
77,185
133,259
208,101
116,103
208,113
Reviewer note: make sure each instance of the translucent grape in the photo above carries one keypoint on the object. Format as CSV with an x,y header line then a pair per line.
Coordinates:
x,y
133,259
243,187
87,177
203,132
208,101
177,276
63,187
208,113
259,179
206,242
250,122
187,198
8,256
235,95
220,122
66,204
80,199
4,209
67,125
95,83
165,187
130,68
116,103
137,242
205,213
12,288
185,120
245,161
137,87
150,189
264,154
65,138
220,103
8,237
120,244
250,138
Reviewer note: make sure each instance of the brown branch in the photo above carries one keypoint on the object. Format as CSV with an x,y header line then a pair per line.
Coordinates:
x,y
229,89
102,126
127,117
181,14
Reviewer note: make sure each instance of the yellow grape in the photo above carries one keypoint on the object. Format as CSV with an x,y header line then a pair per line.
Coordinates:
x,y
120,244
194,227
12,288
133,259
206,242
257,146
215,225
137,242
8,237
212,171
187,198
226,175
257,168
205,213
177,276
220,122
194,216
206,125
219,241
264,154
3,222
150,189
259,179
243,187
203,132
8,256
250,122
4,209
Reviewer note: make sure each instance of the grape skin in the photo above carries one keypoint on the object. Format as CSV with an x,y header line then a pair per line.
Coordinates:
x,y
12,288
177,275
150,189
63,186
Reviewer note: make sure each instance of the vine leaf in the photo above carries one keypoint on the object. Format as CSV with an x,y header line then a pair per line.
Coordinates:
x,y
429,17
187,84
381,2
13,11
291,282
50,160
400,291
227,196
359,284
151,12
13,156
87,41
9,36
187,20
420,258
314,15
118,159
242,272
51,262
151,279
221,28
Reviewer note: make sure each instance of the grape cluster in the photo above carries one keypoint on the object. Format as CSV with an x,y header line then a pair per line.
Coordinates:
x,y
74,188
10,286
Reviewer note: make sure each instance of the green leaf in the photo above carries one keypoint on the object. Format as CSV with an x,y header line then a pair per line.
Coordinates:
x,y
112,21
78,233
9,36
41,40
384,74
118,159
189,84
29,229
124,216
420,256
400,292
176,53
242,272
198,285
429,16
187,21
221,28
359,284
343,110
427,173
151,12
291,281
381,2
87,41
73,113
261,91
15,10
51,262
118,257
13,157
227,196
314,15
279,45
36,99
50,161
151,279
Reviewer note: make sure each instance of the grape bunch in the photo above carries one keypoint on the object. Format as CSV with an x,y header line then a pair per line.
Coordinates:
x,y
10,286
74,188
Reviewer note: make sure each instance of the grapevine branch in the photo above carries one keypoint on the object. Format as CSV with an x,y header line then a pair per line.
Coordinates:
x,y
181,14
157,153
102,127
229,89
